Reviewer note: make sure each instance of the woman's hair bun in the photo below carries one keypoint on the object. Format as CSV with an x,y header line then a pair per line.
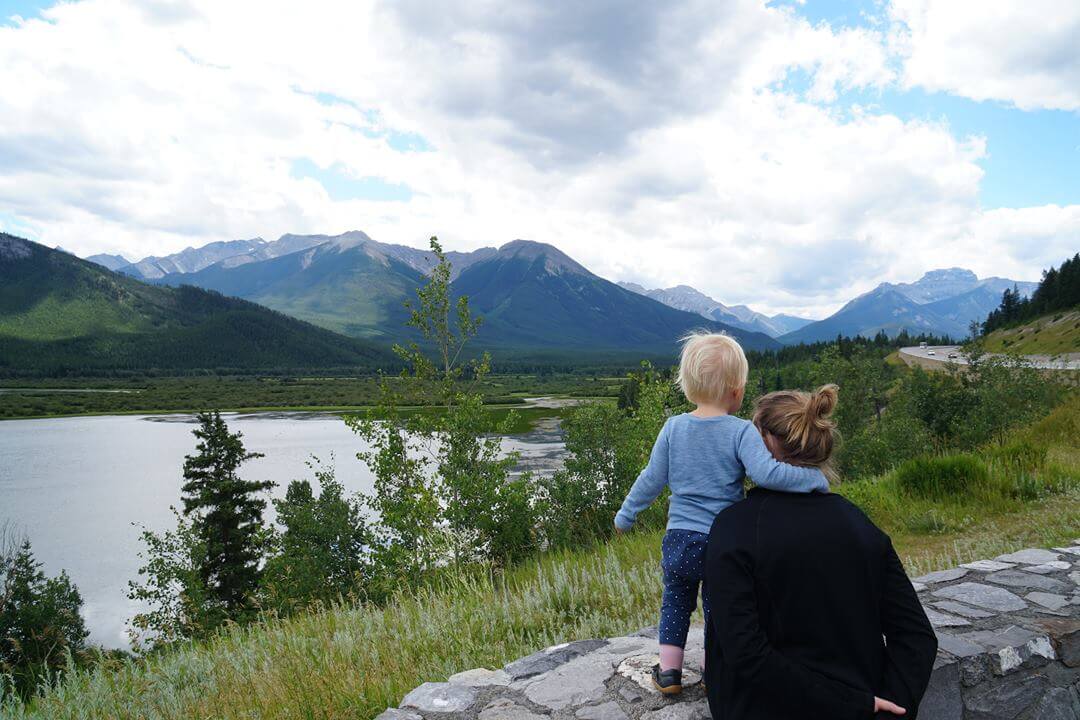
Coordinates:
x,y
823,401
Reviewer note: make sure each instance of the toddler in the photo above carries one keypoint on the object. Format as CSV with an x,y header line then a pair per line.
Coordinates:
x,y
702,456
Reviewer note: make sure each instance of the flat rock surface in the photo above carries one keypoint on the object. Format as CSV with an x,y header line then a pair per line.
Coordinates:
x,y
550,658
940,619
684,711
440,697
1048,600
398,714
941,576
963,610
984,596
507,709
1047,568
1031,556
580,681
609,710
1021,579
638,669
480,677
987,565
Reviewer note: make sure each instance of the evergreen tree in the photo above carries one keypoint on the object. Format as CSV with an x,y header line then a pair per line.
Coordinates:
x,y
226,513
40,620
1059,289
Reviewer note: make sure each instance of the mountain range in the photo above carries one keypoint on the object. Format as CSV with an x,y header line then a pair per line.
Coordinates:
x,y
687,298
941,302
532,295
536,298
60,314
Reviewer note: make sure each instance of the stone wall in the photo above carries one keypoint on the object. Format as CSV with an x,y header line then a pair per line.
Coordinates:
x,y
1009,647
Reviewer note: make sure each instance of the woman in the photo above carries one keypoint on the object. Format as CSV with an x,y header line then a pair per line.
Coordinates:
x,y
812,613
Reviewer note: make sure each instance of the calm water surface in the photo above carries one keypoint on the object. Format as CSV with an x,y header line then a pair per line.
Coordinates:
x,y
75,486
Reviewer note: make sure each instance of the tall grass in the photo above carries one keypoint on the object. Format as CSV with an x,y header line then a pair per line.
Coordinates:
x,y
352,661
945,476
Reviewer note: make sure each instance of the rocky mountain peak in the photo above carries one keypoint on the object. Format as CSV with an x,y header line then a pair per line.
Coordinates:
x,y
555,260
13,248
954,274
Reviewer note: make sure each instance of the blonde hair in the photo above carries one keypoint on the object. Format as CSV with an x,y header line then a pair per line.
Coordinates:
x,y
711,366
800,423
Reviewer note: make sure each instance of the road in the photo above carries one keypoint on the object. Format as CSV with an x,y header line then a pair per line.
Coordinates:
x,y
937,356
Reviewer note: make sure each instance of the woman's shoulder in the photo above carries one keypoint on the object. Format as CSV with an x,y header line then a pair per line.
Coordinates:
x,y
832,506
732,523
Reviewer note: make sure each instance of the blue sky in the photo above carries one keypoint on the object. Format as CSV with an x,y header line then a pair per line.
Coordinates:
x,y
339,185
26,9
1033,156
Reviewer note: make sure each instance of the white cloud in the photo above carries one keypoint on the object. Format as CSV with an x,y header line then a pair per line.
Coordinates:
x,y
656,144
1023,53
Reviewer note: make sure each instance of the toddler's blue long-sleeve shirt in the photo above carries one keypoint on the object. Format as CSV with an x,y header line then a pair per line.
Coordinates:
x,y
704,461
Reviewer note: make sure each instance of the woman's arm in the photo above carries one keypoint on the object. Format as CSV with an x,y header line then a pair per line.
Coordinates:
x,y
910,643
768,472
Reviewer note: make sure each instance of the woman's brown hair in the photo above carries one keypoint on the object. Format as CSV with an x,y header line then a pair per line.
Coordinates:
x,y
799,422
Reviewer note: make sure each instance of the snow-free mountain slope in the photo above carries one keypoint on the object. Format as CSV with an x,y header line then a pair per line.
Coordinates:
x,y
60,313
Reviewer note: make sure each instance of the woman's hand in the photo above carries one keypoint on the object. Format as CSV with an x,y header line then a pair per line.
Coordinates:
x,y
889,707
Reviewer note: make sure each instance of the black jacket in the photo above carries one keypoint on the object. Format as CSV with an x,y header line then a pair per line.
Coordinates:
x,y
811,613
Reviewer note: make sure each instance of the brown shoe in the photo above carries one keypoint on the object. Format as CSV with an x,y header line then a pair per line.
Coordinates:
x,y
668,682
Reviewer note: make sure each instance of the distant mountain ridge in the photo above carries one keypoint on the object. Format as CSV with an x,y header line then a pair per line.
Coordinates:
x,y
684,297
534,295
941,302
112,262
230,251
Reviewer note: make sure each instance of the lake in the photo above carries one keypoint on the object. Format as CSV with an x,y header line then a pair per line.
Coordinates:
x,y
75,486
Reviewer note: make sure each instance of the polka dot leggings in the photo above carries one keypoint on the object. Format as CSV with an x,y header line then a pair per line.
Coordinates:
x,y
683,562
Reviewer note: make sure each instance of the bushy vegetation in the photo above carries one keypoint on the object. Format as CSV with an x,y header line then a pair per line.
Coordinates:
x,y
41,628
889,413
942,476
1058,290
143,393
954,493
606,447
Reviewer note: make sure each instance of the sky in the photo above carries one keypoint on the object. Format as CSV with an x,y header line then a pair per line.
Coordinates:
x,y
787,155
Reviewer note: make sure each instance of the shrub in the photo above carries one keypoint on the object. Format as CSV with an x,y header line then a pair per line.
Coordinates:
x,y
945,476
606,449
41,624
883,445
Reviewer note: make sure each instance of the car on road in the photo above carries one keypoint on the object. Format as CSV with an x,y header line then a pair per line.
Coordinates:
x,y
953,356
931,352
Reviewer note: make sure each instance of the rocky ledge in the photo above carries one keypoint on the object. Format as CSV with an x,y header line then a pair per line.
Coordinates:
x,y
1009,647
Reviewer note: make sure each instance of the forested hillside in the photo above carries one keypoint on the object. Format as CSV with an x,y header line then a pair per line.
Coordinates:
x,y
62,314
1058,290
